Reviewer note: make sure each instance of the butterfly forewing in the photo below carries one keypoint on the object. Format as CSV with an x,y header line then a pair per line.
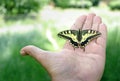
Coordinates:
x,y
87,36
71,35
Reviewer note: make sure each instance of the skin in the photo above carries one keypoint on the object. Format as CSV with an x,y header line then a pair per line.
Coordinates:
x,y
75,65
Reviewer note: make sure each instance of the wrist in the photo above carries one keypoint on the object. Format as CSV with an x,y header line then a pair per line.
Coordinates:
x,y
66,78
62,79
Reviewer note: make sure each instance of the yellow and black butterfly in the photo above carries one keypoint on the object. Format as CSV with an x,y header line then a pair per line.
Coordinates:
x,y
79,38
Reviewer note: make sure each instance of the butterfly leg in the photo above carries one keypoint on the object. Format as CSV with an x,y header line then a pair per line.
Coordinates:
x,y
74,48
83,49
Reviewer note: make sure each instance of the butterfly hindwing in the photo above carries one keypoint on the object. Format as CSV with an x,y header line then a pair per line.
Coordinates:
x,y
87,36
70,35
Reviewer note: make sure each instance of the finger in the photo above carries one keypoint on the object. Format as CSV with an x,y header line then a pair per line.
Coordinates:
x,y
89,21
102,39
96,22
35,52
79,22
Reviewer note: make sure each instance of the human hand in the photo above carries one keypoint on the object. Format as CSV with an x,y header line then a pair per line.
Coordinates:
x,y
75,65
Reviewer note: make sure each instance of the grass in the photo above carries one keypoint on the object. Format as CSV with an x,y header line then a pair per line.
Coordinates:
x,y
14,67
112,70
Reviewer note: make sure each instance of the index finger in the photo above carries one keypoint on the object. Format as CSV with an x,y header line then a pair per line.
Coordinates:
x,y
79,22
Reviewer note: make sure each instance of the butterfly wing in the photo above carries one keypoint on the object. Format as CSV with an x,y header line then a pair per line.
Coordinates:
x,y
70,35
87,36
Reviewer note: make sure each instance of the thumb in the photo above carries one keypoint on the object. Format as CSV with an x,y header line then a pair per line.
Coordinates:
x,y
37,53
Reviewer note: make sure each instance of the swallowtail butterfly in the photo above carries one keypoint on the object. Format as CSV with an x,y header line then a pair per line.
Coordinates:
x,y
79,38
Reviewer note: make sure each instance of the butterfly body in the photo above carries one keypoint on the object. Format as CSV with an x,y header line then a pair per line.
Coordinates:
x,y
79,38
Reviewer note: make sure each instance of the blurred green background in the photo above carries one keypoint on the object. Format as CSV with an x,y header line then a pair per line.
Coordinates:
x,y
37,22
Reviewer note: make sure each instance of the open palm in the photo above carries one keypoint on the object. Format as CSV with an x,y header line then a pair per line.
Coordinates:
x,y
75,65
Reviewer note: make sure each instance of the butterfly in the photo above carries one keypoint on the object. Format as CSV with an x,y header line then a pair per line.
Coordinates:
x,y
79,38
